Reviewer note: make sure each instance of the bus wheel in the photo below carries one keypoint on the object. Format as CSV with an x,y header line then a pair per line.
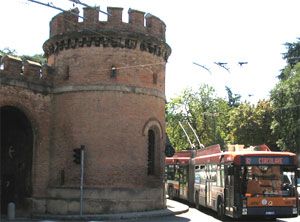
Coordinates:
x,y
220,209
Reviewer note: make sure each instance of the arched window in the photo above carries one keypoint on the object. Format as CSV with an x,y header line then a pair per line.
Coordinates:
x,y
151,152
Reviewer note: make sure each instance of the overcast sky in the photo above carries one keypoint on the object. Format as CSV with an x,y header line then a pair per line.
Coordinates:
x,y
200,31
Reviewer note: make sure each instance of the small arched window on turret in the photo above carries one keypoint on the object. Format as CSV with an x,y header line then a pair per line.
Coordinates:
x,y
151,152
154,81
113,72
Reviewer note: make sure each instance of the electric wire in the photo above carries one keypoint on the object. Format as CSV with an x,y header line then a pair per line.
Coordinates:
x,y
86,5
51,5
102,35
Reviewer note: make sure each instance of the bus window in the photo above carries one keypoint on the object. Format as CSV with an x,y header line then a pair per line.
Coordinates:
x,y
202,174
170,172
220,176
213,174
229,170
184,175
267,181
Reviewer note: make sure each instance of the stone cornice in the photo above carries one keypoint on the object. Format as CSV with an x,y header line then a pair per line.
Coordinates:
x,y
43,88
48,89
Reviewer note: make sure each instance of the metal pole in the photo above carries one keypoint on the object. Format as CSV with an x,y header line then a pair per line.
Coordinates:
x,y
81,178
186,135
200,145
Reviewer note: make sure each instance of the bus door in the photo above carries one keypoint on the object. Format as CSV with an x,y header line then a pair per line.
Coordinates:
x,y
229,189
183,183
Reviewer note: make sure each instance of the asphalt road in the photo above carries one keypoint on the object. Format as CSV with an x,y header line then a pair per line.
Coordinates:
x,y
194,215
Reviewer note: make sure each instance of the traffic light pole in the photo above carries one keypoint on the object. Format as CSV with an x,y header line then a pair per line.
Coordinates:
x,y
81,178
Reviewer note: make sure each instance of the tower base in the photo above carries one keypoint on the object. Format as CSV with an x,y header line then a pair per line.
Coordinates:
x,y
66,201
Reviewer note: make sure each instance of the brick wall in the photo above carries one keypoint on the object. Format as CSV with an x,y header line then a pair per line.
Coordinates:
x,y
37,109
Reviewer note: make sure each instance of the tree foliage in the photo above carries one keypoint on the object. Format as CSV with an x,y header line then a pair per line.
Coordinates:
x,y
250,124
7,51
36,58
233,99
285,99
292,56
205,113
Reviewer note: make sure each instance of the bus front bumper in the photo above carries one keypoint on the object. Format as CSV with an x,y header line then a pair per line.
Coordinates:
x,y
270,211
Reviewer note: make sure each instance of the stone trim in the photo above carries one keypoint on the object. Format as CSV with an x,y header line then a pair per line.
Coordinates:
x,y
102,87
153,122
35,87
47,89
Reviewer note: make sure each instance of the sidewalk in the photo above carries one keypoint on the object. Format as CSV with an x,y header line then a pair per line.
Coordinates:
x,y
173,208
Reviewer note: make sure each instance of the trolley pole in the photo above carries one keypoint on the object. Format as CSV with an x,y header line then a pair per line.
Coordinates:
x,y
81,178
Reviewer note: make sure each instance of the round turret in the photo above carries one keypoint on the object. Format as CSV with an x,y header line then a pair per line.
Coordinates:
x,y
108,95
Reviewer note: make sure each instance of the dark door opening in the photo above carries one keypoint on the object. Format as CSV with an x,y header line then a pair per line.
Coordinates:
x,y
16,157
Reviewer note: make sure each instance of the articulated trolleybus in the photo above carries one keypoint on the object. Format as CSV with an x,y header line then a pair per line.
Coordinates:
x,y
240,182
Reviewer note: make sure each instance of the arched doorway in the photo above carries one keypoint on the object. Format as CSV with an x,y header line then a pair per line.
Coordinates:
x,y
16,158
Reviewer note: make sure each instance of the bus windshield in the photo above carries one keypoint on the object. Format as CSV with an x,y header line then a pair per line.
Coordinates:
x,y
266,180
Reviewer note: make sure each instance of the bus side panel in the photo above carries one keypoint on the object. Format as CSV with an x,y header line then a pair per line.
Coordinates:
x,y
202,194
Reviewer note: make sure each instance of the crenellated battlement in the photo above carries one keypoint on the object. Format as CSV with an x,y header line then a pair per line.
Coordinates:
x,y
145,32
27,73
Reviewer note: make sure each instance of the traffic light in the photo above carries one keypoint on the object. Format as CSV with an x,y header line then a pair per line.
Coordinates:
x,y
169,151
77,155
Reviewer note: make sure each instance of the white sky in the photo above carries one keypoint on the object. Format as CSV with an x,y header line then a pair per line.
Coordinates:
x,y
201,31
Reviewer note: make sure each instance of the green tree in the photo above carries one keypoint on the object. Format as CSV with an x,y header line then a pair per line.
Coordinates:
x,y
7,51
250,124
292,56
233,99
36,58
39,58
203,111
285,98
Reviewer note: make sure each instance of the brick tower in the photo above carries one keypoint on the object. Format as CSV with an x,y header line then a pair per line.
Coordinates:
x,y
109,95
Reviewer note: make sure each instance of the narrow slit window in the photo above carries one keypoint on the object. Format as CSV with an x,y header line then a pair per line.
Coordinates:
x,y
151,153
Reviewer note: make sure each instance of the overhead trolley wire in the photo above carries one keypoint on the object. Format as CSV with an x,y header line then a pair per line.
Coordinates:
x,y
93,31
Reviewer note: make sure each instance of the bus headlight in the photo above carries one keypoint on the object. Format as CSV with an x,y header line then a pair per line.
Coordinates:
x,y
244,211
295,210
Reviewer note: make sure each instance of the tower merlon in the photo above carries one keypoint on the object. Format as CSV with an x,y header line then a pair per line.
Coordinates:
x,y
12,64
64,22
68,21
91,15
115,15
136,18
32,70
29,71
155,25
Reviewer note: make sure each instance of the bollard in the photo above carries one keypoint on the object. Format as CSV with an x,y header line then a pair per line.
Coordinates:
x,y
11,211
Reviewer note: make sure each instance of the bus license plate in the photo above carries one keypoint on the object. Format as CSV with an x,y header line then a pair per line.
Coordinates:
x,y
270,213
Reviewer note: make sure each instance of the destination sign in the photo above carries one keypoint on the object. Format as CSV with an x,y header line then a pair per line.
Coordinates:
x,y
255,160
